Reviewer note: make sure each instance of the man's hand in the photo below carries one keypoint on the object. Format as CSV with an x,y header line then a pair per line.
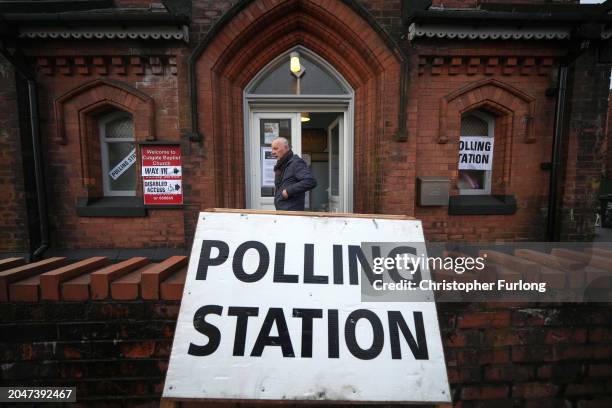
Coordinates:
x,y
285,195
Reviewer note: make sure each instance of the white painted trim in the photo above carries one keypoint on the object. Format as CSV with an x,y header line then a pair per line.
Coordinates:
x,y
284,57
255,150
341,197
462,32
110,33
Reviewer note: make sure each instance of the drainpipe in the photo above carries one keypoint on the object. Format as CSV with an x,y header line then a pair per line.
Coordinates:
x,y
23,70
194,135
38,171
551,222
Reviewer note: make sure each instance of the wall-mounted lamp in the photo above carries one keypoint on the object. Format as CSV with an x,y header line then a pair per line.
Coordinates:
x,y
294,65
305,117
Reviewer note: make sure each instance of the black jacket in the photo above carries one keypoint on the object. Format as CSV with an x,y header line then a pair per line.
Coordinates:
x,y
296,178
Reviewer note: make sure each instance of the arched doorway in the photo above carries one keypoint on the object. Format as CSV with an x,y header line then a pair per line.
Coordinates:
x,y
301,97
336,36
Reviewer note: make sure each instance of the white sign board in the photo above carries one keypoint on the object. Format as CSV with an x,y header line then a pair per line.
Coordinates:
x,y
163,186
272,310
475,153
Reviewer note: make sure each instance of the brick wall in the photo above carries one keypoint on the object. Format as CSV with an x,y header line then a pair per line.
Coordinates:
x,y
385,170
497,355
13,215
73,172
115,353
583,151
508,83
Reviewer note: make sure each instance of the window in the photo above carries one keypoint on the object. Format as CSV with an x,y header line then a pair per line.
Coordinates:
x,y
118,153
314,78
476,153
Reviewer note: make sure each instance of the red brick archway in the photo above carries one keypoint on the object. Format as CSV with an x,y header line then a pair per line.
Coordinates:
x,y
255,36
76,115
502,98
91,95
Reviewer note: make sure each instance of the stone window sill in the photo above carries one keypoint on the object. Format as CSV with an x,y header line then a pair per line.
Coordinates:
x,y
111,207
482,205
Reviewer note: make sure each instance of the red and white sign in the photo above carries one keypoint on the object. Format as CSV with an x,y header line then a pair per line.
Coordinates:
x,y
162,175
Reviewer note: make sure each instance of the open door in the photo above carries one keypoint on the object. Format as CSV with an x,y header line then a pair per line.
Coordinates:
x,y
335,141
265,128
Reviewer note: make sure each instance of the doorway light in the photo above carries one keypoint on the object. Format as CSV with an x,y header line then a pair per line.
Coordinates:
x,y
305,117
295,65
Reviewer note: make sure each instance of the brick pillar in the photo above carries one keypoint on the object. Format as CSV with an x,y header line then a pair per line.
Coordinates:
x,y
587,107
13,221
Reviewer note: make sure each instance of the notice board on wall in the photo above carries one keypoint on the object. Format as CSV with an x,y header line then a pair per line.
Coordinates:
x,y
273,309
162,175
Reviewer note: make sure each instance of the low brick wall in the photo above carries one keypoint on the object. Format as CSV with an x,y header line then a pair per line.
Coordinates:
x,y
115,353
498,355
111,338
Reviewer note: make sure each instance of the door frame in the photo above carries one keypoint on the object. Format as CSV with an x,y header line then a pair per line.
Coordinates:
x,y
301,103
254,178
339,122
297,105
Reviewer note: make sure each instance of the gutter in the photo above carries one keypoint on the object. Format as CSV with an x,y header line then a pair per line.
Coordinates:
x,y
38,171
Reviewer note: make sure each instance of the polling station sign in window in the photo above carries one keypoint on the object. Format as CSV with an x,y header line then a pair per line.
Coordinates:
x,y
273,309
475,153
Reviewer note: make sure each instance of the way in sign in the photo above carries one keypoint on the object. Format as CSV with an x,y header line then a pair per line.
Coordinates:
x,y
160,171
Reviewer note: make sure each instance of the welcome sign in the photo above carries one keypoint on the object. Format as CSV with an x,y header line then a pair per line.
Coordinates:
x,y
272,310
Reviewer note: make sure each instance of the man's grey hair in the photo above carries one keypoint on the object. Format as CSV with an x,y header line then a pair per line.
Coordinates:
x,y
283,140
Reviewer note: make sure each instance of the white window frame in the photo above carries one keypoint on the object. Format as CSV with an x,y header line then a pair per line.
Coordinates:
x,y
490,119
104,152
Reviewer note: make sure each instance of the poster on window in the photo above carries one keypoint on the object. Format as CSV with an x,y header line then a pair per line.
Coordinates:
x,y
123,165
271,132
475,153
162,175
267,167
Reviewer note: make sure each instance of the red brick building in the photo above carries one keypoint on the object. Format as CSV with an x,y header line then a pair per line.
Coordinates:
x,y
390,88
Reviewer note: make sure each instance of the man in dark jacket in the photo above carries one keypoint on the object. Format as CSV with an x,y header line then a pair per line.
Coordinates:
x,y
292,177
